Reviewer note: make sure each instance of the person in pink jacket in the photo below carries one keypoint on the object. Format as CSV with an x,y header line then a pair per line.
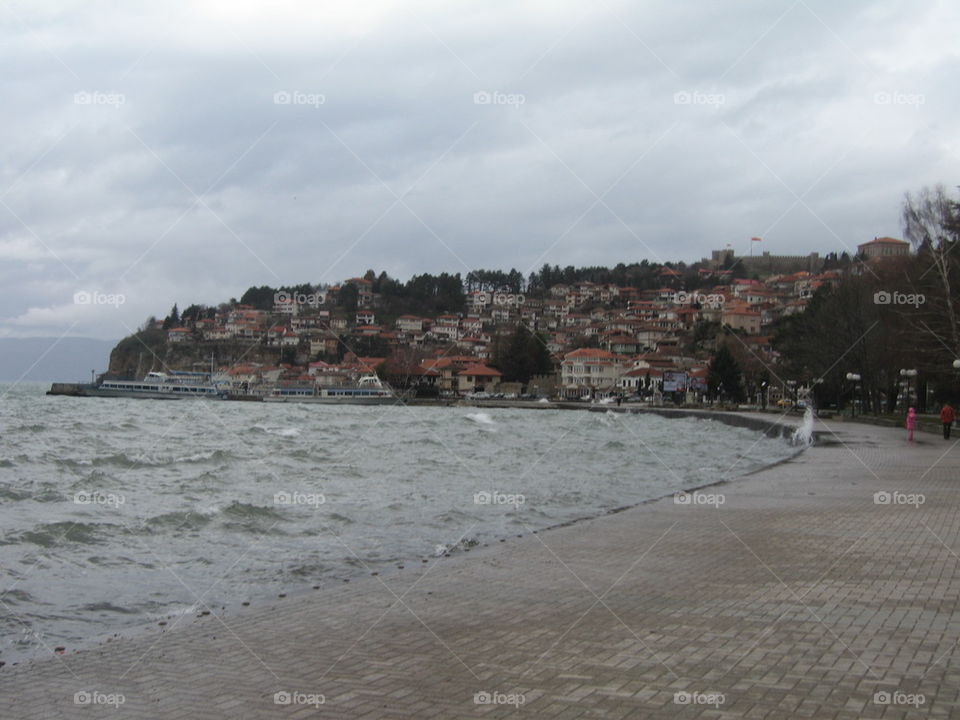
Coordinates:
x,y
911,423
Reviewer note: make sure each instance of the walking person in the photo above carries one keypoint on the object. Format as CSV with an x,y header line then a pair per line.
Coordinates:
x,y
911,423
947,416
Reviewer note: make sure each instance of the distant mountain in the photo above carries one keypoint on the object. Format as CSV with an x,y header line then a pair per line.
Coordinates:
x,y
46,359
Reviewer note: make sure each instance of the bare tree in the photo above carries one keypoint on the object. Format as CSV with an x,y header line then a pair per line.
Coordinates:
x,y
930,223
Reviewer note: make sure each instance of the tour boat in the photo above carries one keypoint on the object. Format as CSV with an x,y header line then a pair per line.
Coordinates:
x,y
159,386
369,390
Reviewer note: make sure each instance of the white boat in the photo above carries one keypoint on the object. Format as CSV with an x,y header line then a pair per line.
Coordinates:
x,y
369,390
160,386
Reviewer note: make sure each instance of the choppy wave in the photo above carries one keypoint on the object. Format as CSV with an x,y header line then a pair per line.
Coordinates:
x,y
337,517
131,460
17,596
33,428
288,432
48,535
12,493
397,485
106,607
214,455
181,520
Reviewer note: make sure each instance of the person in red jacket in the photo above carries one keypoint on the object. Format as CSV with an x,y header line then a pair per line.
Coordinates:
x,y
947,416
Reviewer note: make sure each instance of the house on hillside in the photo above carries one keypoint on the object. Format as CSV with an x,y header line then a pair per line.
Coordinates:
x,y
178,334
478,378
882,248
589,372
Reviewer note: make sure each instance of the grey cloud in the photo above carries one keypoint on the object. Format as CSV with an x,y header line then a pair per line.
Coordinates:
x,y
290,188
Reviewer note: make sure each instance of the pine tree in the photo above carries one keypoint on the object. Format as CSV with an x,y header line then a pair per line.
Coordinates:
x,y
724,376
173,319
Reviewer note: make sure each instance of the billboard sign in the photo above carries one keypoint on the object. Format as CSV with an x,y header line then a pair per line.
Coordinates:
x,y
674,381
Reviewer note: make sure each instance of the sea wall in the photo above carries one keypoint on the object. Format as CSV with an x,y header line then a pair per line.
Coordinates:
x,y
772,427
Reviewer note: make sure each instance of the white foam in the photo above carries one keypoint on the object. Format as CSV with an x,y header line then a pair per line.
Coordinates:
x,y
282,432
197,457
803,435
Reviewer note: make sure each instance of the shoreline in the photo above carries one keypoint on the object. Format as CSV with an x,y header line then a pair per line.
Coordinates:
x,y
775,428
798,598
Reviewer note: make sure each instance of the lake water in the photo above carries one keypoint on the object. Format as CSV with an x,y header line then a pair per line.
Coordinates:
x,y
117,514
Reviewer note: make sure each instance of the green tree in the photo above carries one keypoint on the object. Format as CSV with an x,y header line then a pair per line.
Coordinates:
x,y
704,332
260,298
369,346
173,319
192,314
522,355
844,329
724,377
348,297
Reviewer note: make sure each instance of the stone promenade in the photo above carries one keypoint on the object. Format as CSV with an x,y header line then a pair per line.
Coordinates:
x,y
825,587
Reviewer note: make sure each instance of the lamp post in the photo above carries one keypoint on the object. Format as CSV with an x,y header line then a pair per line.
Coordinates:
x,y
854,378
811,397
908,375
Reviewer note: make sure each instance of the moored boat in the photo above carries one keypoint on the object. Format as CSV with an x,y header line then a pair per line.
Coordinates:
x,y
155,386
369,390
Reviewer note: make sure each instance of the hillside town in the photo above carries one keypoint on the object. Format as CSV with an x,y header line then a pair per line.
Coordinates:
x,y
600,340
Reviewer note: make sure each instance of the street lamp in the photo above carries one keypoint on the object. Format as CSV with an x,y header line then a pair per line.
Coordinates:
x,y
907,375
956,364
792,389
854,378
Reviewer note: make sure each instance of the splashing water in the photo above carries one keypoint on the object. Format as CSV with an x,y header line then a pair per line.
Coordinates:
x,y
609,417
482,418
803,435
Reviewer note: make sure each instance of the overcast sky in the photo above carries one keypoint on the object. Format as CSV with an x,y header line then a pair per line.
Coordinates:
x,y
183,151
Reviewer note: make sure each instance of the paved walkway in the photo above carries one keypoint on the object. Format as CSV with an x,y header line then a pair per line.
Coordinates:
x,y
804,594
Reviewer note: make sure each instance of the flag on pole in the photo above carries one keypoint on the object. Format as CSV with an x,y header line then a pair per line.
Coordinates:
x,y
756,240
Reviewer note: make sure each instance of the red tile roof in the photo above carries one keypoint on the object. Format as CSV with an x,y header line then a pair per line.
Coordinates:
x,y
592,353
478,370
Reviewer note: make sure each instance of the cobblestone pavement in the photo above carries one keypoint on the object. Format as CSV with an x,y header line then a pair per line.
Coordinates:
x,y
826,587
